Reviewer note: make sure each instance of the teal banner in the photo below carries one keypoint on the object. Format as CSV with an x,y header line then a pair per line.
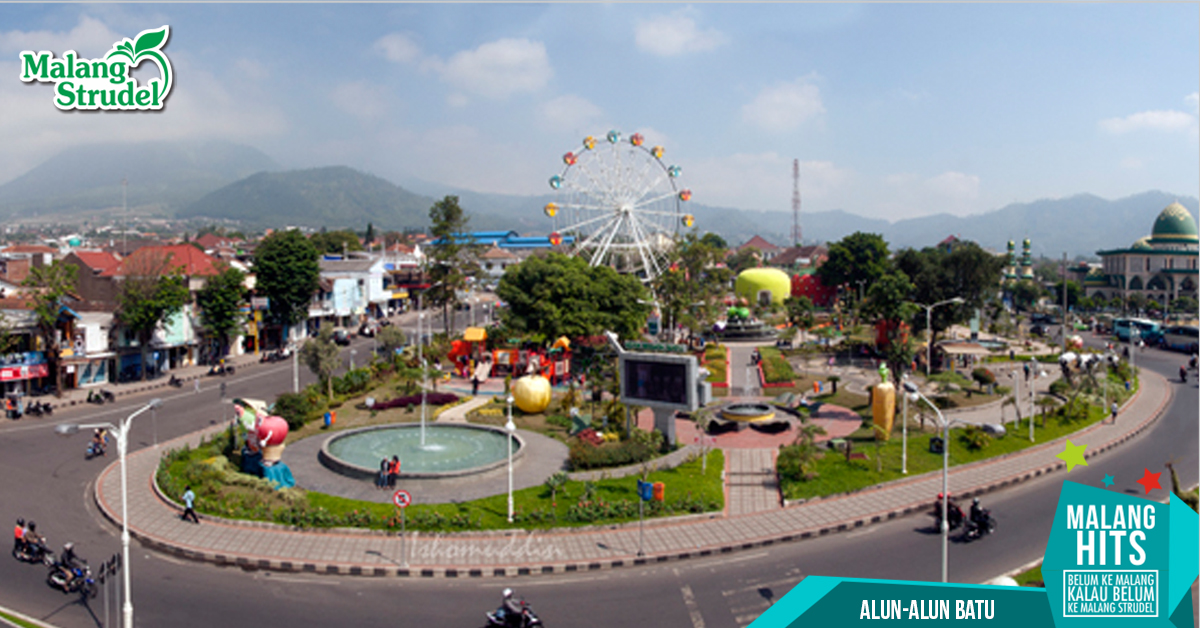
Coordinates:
x,y
1112,560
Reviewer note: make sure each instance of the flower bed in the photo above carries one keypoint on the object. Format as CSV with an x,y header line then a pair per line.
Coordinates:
x,y
774,371
432,399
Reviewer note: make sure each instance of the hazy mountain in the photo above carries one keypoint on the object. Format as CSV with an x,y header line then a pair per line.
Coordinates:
x,y
333,197
165,175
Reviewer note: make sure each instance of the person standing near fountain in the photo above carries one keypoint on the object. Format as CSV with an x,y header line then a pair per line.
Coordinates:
x,y
393,471
384,474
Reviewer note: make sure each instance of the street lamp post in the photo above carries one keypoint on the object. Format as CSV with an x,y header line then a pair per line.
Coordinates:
x,y
929,330
904,435
122,435
510,427
911,389
296,370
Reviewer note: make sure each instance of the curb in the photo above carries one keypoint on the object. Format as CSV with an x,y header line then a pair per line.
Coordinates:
x,y
22,617
250,563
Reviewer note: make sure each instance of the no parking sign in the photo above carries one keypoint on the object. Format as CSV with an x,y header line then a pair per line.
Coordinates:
x,y
401,498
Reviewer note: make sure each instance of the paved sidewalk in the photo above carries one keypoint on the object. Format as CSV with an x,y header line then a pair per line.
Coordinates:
x,y
156,523
750,476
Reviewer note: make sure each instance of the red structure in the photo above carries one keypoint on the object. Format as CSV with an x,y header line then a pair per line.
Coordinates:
x,y
810,286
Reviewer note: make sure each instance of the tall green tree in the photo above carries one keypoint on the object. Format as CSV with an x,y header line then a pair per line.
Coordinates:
x,y
557,295
49,285
336,242
286,272
857,258
746,258
152,291
1026,294
888,301
690,291
968,272
220,302
452,259
715,241
799,311
320,355
369,237
1074,293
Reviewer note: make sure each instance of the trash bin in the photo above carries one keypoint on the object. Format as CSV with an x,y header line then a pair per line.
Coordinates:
x,y
659,491
936,445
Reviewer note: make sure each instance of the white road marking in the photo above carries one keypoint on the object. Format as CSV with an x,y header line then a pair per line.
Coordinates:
x,y
789,582
689,600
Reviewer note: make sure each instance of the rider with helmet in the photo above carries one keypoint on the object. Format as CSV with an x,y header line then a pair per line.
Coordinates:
x,y
69,562
19,534
978,515
511,609
31,537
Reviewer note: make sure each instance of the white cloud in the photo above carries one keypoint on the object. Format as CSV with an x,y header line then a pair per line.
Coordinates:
x,y
500,68
906,195
360,99
1168,120
398,48
90,37
955,186
1193,99
251,68
784,106
570,113
675,34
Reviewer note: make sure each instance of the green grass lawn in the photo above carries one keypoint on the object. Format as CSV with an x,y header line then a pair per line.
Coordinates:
x,y
836,475
17,621
225,493
1030,578
776,369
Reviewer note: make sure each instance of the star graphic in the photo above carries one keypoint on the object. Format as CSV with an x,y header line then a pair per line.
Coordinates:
x,y
1149,481
1073,455
1108,481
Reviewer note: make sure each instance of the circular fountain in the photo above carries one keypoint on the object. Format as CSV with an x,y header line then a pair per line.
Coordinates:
x,y
748,412
448,450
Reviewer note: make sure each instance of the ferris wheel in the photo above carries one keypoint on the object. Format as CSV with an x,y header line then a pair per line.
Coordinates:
x,y
619,205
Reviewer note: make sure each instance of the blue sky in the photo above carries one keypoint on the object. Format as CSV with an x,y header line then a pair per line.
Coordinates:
x,y
894,110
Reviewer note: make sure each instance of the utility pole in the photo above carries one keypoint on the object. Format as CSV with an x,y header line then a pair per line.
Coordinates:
x,y
797,238
1063,328
124,217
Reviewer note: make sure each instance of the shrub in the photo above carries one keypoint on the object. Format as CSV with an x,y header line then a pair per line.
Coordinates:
x,y
1060,387
295,408
433,399
353,382
584,455
975,438
776,369
557,420
983,377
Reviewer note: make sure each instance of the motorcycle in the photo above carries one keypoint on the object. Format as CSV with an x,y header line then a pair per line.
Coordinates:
x,y
175,381
1183,374
93,450
976,529
954,513
82,583
220,369
101,397
34,553
38,408
528,618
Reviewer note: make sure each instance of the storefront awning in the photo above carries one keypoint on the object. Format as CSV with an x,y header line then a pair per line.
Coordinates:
x,y
475,334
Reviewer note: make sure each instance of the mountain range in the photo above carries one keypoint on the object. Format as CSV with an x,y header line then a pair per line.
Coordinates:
x,y
226,181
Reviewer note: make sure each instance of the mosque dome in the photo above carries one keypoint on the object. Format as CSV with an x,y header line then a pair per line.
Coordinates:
x,y
1174,225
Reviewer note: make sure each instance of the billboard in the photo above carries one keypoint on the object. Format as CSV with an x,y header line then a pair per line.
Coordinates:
x,y
659,381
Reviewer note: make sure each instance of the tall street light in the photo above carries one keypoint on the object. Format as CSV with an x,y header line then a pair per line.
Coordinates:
x,y
510,427
911,390
929,329
122,435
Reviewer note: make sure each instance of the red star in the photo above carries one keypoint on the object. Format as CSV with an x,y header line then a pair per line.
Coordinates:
x,y
1149,481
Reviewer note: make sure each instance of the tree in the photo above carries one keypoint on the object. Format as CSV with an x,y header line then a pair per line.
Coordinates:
x,y
1073,294
391,338
799,311
50,284
714,240
152,291
320,355
858,257
748,257
451,259
336,242
968,272
1184,304
888,301
1026,294
690,291
220,302
557,295
1136,301
286,269
369,237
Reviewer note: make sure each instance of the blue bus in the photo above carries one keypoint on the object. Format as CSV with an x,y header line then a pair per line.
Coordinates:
x,y
1147,330
1184,338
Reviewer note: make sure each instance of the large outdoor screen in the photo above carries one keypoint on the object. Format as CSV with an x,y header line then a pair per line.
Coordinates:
x,y
661,380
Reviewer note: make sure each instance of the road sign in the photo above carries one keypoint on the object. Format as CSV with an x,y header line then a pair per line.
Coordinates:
x,y
401,498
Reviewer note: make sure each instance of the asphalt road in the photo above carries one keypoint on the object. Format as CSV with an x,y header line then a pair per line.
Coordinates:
x,y
47,479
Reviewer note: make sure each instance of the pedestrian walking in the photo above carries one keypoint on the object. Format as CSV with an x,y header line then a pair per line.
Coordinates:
x,y
393,471
475,381
1114,409
189,500
384,474
197,381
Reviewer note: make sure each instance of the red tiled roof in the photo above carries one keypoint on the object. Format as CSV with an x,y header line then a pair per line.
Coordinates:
x,y
98,260
28,248
192,260
212,241
759,243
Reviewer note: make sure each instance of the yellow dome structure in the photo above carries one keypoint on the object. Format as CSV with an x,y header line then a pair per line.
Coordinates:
x,y
750,283
531,393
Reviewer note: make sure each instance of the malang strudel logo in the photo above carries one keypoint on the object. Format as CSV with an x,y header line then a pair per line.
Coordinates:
x,y
105,84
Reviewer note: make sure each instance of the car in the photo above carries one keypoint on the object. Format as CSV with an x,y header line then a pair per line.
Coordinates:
x,y
341,337
1038,330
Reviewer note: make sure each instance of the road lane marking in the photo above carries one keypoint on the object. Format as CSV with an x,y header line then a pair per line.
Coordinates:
x,y
689,600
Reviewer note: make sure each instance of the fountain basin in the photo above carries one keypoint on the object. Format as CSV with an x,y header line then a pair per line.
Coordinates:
x,y
748,412
451,450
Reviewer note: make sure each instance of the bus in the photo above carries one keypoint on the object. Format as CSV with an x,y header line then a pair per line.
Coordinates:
x,y
1184,338
1147,330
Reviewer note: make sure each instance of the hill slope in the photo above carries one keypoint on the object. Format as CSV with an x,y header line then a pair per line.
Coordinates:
x,y
333,197
166,175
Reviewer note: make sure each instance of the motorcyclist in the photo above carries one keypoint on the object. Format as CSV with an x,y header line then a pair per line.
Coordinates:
x,y
978,515
510,609
98,442
953,512
31,537
1183,373
19,534
69,562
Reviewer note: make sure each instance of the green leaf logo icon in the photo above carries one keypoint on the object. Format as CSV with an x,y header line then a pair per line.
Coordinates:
x,y
147,45
150,40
